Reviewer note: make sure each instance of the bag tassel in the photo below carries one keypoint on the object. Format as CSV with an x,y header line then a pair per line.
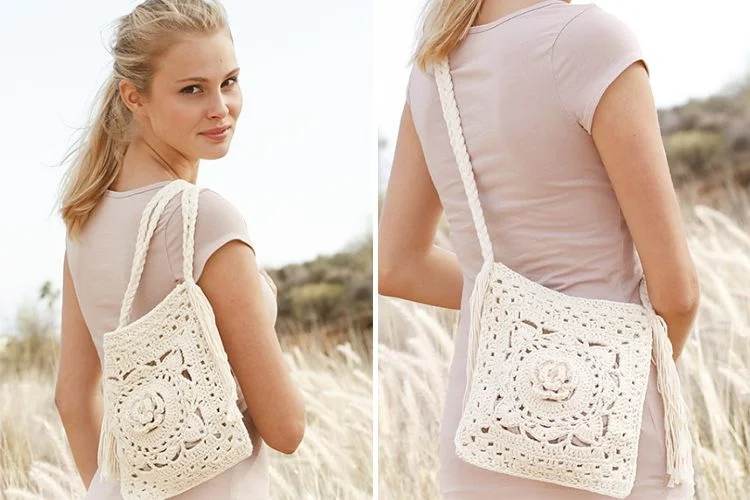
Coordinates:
x,y
107,456
215,346
678,439
481,283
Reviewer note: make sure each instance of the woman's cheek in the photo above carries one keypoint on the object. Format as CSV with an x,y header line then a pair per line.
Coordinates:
x,y
235,103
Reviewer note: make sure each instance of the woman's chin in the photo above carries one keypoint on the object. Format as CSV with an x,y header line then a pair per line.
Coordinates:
x,y
214,153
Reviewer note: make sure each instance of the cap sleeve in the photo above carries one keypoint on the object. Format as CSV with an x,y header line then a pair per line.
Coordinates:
x,y
218,223
410,83
589,53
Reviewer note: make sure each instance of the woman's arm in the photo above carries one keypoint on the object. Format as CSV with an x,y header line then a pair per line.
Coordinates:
x,y
626,132
77,394
410,266
232,284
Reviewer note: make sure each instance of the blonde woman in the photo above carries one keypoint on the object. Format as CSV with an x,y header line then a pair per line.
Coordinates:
x,y
173,98
562,131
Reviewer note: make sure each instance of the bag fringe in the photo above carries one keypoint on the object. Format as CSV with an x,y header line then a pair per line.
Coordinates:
x,y
481,283
215,345
677,431
107,454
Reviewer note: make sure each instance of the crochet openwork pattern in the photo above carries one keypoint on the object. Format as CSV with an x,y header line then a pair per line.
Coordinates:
x,y
559,387
171,418
555,383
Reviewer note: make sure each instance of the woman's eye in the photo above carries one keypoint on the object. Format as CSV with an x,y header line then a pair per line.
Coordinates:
x,y
192,89
195,89
230,81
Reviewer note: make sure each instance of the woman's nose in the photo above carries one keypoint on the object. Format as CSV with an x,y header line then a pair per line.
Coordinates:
x,y
218,107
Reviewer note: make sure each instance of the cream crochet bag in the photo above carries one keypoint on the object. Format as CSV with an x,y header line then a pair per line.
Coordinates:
x,y
171,419
555,383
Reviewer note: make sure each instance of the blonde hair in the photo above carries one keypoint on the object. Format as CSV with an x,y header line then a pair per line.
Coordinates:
x,y
141,37
444,24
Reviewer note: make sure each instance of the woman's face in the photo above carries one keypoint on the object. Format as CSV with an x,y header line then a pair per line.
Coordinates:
x,y
195,99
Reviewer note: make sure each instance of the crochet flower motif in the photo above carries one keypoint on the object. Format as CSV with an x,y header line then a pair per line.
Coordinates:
x,y
146,411
553,380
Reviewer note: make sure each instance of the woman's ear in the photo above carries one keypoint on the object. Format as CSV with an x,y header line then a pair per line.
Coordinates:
x,y
131,98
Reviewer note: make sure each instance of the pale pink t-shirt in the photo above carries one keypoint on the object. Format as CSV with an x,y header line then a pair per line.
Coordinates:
x,y
527,86
100,263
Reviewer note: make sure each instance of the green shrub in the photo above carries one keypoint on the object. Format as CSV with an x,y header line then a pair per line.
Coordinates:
x,y
318,302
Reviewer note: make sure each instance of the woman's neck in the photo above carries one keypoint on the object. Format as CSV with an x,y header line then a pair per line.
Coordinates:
x,y
492,10
145,164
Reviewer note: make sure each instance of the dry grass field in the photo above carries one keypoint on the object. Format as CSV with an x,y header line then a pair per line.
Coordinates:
x,y
334,460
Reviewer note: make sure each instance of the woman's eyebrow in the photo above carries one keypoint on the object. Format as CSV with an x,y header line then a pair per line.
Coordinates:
x,y
201,79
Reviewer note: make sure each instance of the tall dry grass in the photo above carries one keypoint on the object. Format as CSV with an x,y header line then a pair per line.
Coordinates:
x,y
416,348
334,460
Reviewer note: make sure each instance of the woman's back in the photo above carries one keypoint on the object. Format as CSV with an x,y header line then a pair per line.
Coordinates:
x,y
521,82
100,264
527,86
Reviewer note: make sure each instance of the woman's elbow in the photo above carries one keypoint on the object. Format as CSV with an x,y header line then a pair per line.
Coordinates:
x,y
67,402
691,300
681,300
390,273
76,400
61,402
385,279
287,439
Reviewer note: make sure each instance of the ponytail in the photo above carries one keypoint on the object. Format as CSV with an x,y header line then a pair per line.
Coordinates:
x,y
96,159
444,24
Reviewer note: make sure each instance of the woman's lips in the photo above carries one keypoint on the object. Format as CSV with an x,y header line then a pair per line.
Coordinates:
x,y
217,134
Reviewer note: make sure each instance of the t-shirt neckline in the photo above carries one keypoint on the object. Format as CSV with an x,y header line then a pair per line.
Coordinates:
x,y
484,27
138,190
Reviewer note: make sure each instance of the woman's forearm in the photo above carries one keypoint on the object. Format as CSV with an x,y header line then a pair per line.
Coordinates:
x,y
435,279
82,422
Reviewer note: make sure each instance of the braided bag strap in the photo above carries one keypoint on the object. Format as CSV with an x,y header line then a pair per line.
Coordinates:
x,y
189,217
146,228
458,144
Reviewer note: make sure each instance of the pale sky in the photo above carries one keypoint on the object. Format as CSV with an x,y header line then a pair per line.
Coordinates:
x,y
302,165
693,49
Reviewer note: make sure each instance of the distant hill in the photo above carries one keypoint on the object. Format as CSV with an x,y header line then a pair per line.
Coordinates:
x,y
333,291
707,141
